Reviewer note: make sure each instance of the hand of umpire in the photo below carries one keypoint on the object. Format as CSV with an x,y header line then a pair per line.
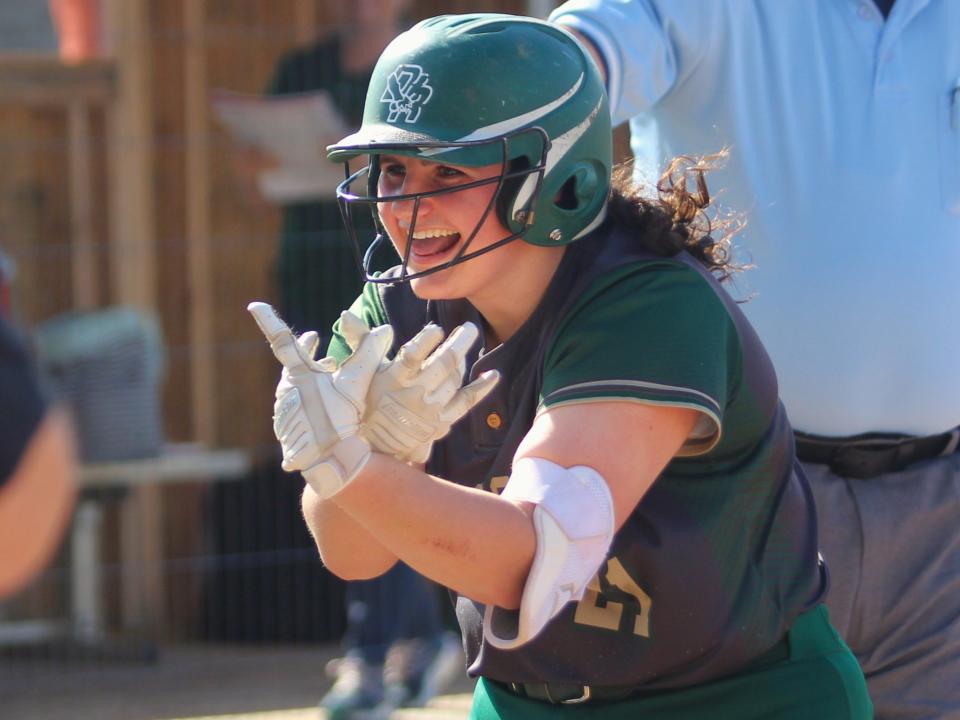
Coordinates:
x,y
417,396
319,406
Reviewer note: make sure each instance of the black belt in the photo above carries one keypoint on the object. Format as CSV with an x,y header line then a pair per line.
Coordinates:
x,y
867,456
571,694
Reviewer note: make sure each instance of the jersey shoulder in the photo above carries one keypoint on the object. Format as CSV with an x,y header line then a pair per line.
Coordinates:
x,y
654,331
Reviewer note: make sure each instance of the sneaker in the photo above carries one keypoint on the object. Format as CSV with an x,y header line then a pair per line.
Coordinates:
x,y
357,689
417,670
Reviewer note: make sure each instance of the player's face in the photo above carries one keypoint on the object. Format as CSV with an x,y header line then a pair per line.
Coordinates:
x,y
443,224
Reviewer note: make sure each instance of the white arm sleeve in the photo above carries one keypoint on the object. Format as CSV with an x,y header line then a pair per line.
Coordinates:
x,y
573,520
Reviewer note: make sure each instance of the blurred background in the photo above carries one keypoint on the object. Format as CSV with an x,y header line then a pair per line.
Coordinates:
x,y
129,249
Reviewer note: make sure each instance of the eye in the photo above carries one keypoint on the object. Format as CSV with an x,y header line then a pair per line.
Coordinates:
x,y
445,171
393,170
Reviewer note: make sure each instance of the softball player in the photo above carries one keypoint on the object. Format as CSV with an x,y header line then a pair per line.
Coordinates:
x,y
612,498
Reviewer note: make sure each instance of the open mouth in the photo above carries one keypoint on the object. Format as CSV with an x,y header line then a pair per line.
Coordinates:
x,y
434,246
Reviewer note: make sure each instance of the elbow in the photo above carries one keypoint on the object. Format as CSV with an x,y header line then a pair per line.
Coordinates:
x,y
345,549
505,593
348,569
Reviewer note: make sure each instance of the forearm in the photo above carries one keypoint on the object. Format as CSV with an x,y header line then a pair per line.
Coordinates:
x,y
345,546
469,540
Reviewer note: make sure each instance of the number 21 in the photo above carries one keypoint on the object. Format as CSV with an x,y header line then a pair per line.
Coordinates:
x,y
604,608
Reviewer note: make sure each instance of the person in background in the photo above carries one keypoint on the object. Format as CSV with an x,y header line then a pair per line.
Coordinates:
x,y
397,652
37,468
843,123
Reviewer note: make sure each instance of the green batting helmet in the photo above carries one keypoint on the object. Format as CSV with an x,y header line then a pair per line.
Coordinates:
x,y
480,89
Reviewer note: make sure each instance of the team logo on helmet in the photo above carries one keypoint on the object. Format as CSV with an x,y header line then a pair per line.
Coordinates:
x,y
408,90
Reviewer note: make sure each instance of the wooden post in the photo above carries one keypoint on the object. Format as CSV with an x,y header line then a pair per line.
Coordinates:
x,y
201,276
84,265
133,265
143,585
133,251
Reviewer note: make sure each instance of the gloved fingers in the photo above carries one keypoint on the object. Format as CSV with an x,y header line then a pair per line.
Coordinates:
x,y
415,351
308,343
444,392
448,360
293,463
353,378
420,454
294,432
284,386
285,410
294,446
469,395
282,342
460,341
327,364
353,329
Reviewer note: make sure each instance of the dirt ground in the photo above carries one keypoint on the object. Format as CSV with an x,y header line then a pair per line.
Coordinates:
x,y
189,683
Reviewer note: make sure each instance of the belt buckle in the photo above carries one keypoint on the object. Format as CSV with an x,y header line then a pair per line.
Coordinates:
x,y
584,696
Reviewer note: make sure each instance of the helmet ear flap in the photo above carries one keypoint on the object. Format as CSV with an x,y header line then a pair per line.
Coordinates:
x,y
584,189
588,181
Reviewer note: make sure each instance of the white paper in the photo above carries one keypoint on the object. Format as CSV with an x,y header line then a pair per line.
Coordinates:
x,y
294,129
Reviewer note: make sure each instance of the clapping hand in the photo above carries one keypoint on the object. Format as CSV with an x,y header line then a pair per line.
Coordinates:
x,y
327,417
319,406
417,396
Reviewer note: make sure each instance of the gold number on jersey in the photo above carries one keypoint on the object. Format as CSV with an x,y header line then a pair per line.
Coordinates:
x,y
604,607
498,483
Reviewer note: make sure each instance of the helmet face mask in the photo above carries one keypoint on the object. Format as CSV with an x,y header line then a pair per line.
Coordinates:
x,y
507,181
478,90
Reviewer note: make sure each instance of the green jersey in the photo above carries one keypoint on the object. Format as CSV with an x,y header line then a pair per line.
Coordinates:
x,y
720,556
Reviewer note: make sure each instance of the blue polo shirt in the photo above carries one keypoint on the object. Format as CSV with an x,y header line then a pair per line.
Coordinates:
x,y
844,138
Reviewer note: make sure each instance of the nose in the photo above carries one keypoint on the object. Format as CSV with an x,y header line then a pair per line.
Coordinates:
x,y
404,210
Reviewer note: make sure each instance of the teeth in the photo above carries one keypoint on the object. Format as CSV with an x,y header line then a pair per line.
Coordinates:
x,y
427,234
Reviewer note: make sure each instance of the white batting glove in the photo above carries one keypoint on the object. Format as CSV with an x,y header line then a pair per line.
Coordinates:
x,y
417,396
316,416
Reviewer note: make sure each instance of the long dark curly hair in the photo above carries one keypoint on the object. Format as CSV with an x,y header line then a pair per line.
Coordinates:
x,y
677,219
